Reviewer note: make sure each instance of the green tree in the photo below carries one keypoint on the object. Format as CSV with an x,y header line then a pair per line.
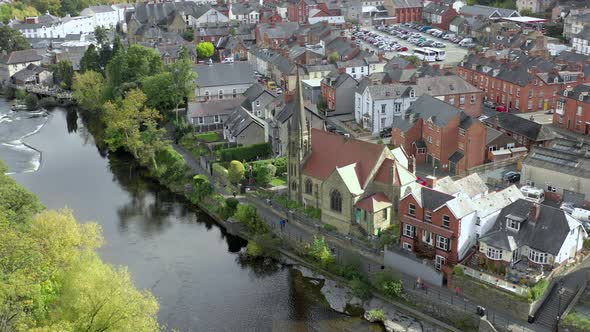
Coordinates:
x,y
16,203
319,251
11,39
89,90
189,35
117,45
184,82
17,10
414,60
236,171
90,60
64,74
334,57
31,101
101,36
131,66
205,50
265,173
160,91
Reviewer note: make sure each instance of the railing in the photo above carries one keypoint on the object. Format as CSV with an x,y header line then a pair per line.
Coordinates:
x,y
495,280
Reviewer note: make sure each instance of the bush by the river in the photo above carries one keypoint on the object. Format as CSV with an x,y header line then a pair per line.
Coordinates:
x,y
31,101
47,102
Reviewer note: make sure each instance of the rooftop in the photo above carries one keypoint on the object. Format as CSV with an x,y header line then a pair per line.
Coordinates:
x,y
222,74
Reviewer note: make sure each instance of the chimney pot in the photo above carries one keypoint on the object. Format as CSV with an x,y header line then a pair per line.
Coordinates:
x,y
534,213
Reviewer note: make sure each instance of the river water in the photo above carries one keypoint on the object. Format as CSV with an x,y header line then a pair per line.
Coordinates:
x,y
188,262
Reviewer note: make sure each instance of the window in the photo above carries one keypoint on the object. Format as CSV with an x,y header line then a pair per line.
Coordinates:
x,y
412,210
407,246
461,131
504,87
439,262
336,201
257,103
461,147
201,120
530,105
517,105
409,230
216,118
308,187
551,188
398,107
530,93
579,111
428,216
206,95
385,214
512,224
421,150
429,139
461,99
472,99
442,243
452,100
518,92
538,256
294,185
540,105
382,108
220,94
412,93
427,237
493,253
446,221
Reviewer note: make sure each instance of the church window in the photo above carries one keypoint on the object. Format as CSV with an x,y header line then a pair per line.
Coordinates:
x,y
294,185
308,187
336,201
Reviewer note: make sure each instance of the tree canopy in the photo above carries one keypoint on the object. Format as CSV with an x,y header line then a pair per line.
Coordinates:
x,y
52,278
11,39
89,90
128,67
205,50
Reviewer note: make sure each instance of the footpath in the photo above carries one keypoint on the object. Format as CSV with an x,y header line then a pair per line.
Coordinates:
x,y
345,249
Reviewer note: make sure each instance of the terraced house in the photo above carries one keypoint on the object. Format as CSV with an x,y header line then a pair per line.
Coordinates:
x,y
521,82
573,109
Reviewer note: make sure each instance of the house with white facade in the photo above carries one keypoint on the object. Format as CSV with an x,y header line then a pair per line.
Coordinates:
x,y
581,41
376,106
16,61
102,16
244,13
49,26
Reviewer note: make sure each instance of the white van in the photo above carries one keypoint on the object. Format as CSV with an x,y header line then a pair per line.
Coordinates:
x,y
582,215
533,194
228,60
465,41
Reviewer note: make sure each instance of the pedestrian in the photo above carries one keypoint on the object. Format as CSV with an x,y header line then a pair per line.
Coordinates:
x,y
457,290
234,193
418,283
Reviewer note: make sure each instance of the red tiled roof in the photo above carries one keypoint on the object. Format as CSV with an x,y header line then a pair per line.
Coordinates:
x,y
368,203
329,151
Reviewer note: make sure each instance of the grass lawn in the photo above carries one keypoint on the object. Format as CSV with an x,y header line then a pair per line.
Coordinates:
x,y
277,182
578,320
209,137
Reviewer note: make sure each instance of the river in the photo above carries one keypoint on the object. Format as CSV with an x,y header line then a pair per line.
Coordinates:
x,y
170,247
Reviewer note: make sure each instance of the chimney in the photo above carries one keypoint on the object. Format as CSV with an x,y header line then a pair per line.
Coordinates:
x,y
430,181
534,213
534,70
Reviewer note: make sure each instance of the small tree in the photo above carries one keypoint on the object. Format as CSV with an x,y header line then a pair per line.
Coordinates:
x,y
189,35
320,252
31,101
265,173
203,187
205,50
236,171
334,57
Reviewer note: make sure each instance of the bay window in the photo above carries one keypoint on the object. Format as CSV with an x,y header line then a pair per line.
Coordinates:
x,y
493,253
538,257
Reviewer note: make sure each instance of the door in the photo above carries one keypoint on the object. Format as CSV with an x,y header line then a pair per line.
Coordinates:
x,y
358,216
515,256
436,163
452,168
429,159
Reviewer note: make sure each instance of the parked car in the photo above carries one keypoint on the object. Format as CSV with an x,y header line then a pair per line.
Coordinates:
x,y
489,104
439,45
385,133
511,177
502,108
228,60
402,49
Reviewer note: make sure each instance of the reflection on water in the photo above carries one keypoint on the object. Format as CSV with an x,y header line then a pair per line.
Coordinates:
x,y
170,247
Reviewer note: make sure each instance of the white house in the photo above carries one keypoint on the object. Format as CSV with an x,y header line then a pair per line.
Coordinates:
x,y
49,26
375,106
102,16
243,13
205,14
581,41
16,61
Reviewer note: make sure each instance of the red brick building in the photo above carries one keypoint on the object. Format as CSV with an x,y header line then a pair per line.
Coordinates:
x,y
298,11
572,111
404,10
428,227
439,16
440,135
337,89
524,84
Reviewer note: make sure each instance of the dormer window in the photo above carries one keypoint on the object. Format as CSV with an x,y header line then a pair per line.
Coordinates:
x,y
412,93
581,97
512,224
565,93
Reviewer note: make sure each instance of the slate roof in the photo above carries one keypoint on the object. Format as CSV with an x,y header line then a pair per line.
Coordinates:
x,y
516,124
161,12
406,3
213,107
326,155
444,85
546,234
222,74
433,199
101,9
240,119
335,79
436,9
23,56
559,161
242,9
480,10
582,90
456,156
427,107
253,93
569,56
492,134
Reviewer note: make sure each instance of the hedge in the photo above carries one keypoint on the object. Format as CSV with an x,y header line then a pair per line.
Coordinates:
x,y
245,153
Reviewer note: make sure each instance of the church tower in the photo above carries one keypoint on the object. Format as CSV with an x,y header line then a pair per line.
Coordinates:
x,y
299,144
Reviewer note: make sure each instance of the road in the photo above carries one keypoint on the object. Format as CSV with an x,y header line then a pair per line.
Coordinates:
x,y
454,53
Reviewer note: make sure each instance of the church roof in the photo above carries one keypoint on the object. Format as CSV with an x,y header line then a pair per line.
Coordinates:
x,y
375,202
329,151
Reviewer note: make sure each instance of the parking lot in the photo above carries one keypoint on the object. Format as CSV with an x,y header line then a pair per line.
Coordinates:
x,y
454,52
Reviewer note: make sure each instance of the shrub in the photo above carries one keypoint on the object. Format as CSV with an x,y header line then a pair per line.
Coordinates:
x,y
587,243
245,153
313,212
360,288
288,203
249,216
253,249
228,207
236,172
377,314
202,188
47,102
578,320
232,203
31,101
329,227
219,170
389,236
537,291
349,271
281,165
264,174
264,245
20,94
387,284
458,271
318,250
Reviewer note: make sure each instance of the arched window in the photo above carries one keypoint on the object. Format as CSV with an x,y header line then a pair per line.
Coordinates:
x,y
308,186
294,185
336,201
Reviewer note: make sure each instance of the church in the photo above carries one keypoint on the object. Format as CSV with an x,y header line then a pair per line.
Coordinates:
x,y
356,184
